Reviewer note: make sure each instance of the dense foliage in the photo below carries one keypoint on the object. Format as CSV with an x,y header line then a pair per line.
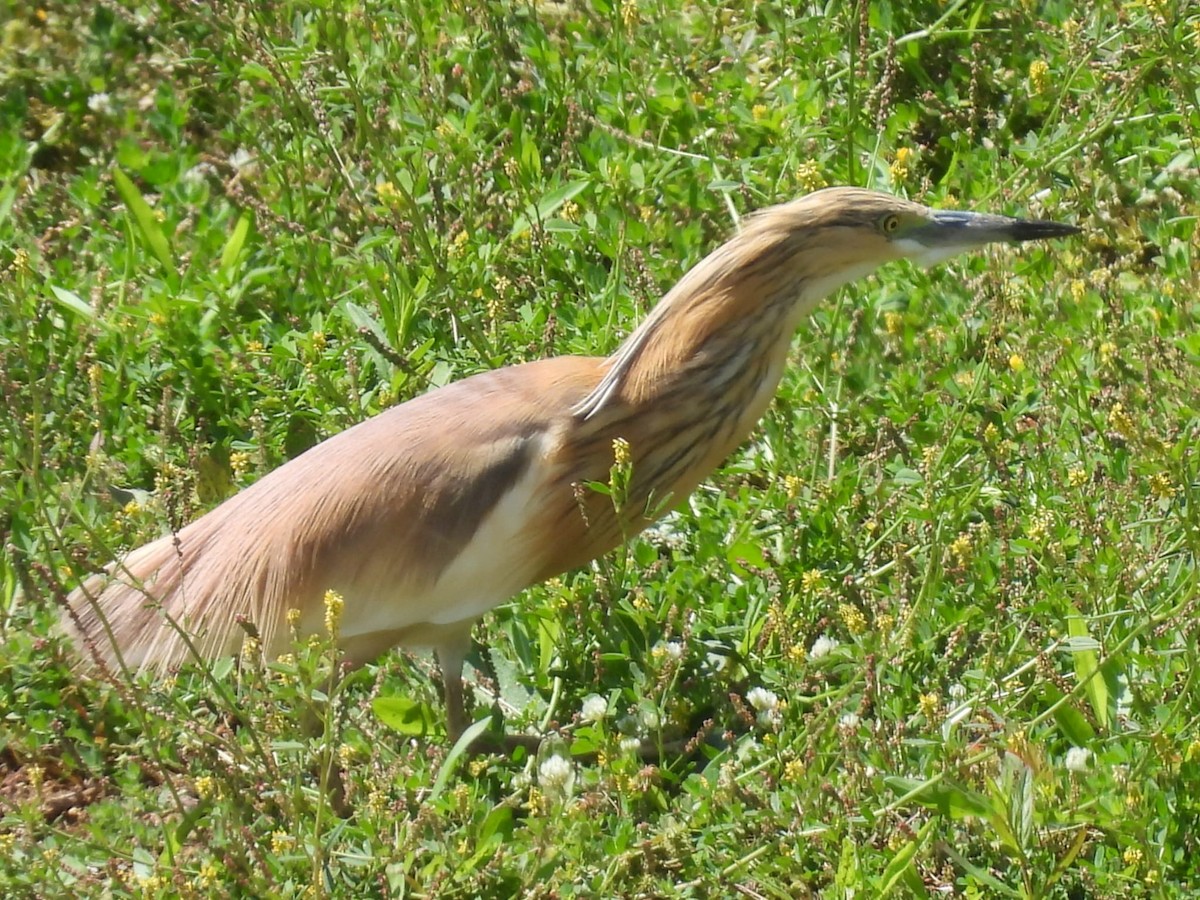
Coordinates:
x,y
934,628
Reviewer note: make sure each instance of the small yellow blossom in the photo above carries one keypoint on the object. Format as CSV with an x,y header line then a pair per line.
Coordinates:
x,y
334,604
251,646
991,433
792,485
1039,76
893,323
902,164
929,705
621,455
1038,527
852,617
206,787
158,320
812,580
960,549
570,211
1078,290
797,653
444,129
1016,363
965,379
1077,476
1107,351
458,245
1120,421
793,769
759,112
293,617
1161,486
388,194
1132,856
629,13
281,841
239,462
209,873
809,176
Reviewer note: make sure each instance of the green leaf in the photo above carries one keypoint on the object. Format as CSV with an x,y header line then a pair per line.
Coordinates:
x,y
942,795
1087,667
405,715
745,555
902,862
233,246
460,748
152,233
1071,722
72,301
547,205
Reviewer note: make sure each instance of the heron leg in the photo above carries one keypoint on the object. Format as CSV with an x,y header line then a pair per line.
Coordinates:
x,y
451,653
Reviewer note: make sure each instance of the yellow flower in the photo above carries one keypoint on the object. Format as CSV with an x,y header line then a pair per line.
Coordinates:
x,y
1039,76
388,194
893,323
901,164
629,13
812,580
1161,486
281,842
960,549
793,769
929,704
853,618
621,456
1016,363
809,176
759,112
1120,421
334,604
1077,476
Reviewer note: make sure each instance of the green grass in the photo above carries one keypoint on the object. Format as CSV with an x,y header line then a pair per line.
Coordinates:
x,y
226,233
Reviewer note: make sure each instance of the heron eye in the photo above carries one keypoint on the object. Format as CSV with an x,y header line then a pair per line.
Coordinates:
x,y
889,223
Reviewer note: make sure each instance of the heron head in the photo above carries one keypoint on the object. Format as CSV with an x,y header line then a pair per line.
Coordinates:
x,y
841,233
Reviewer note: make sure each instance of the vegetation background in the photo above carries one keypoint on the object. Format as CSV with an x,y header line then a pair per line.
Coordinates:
x,y
932,631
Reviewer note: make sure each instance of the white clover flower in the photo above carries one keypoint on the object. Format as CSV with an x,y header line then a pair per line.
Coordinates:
x,y
630,744
100,103
717,662
197,173
1077,759
822,646
674,649
849,722
762,700
594,708
765,703
957,691
556,776
241,159
666,534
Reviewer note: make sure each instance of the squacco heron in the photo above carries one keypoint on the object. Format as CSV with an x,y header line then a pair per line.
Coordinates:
x,y
431,513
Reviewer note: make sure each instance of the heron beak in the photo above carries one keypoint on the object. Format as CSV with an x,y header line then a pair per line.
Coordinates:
x,y
963,230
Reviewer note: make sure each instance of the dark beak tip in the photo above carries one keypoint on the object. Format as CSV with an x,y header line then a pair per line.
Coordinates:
x,y
1039,229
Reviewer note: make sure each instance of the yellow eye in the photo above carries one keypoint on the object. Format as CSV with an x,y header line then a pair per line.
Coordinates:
x,y
889,223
